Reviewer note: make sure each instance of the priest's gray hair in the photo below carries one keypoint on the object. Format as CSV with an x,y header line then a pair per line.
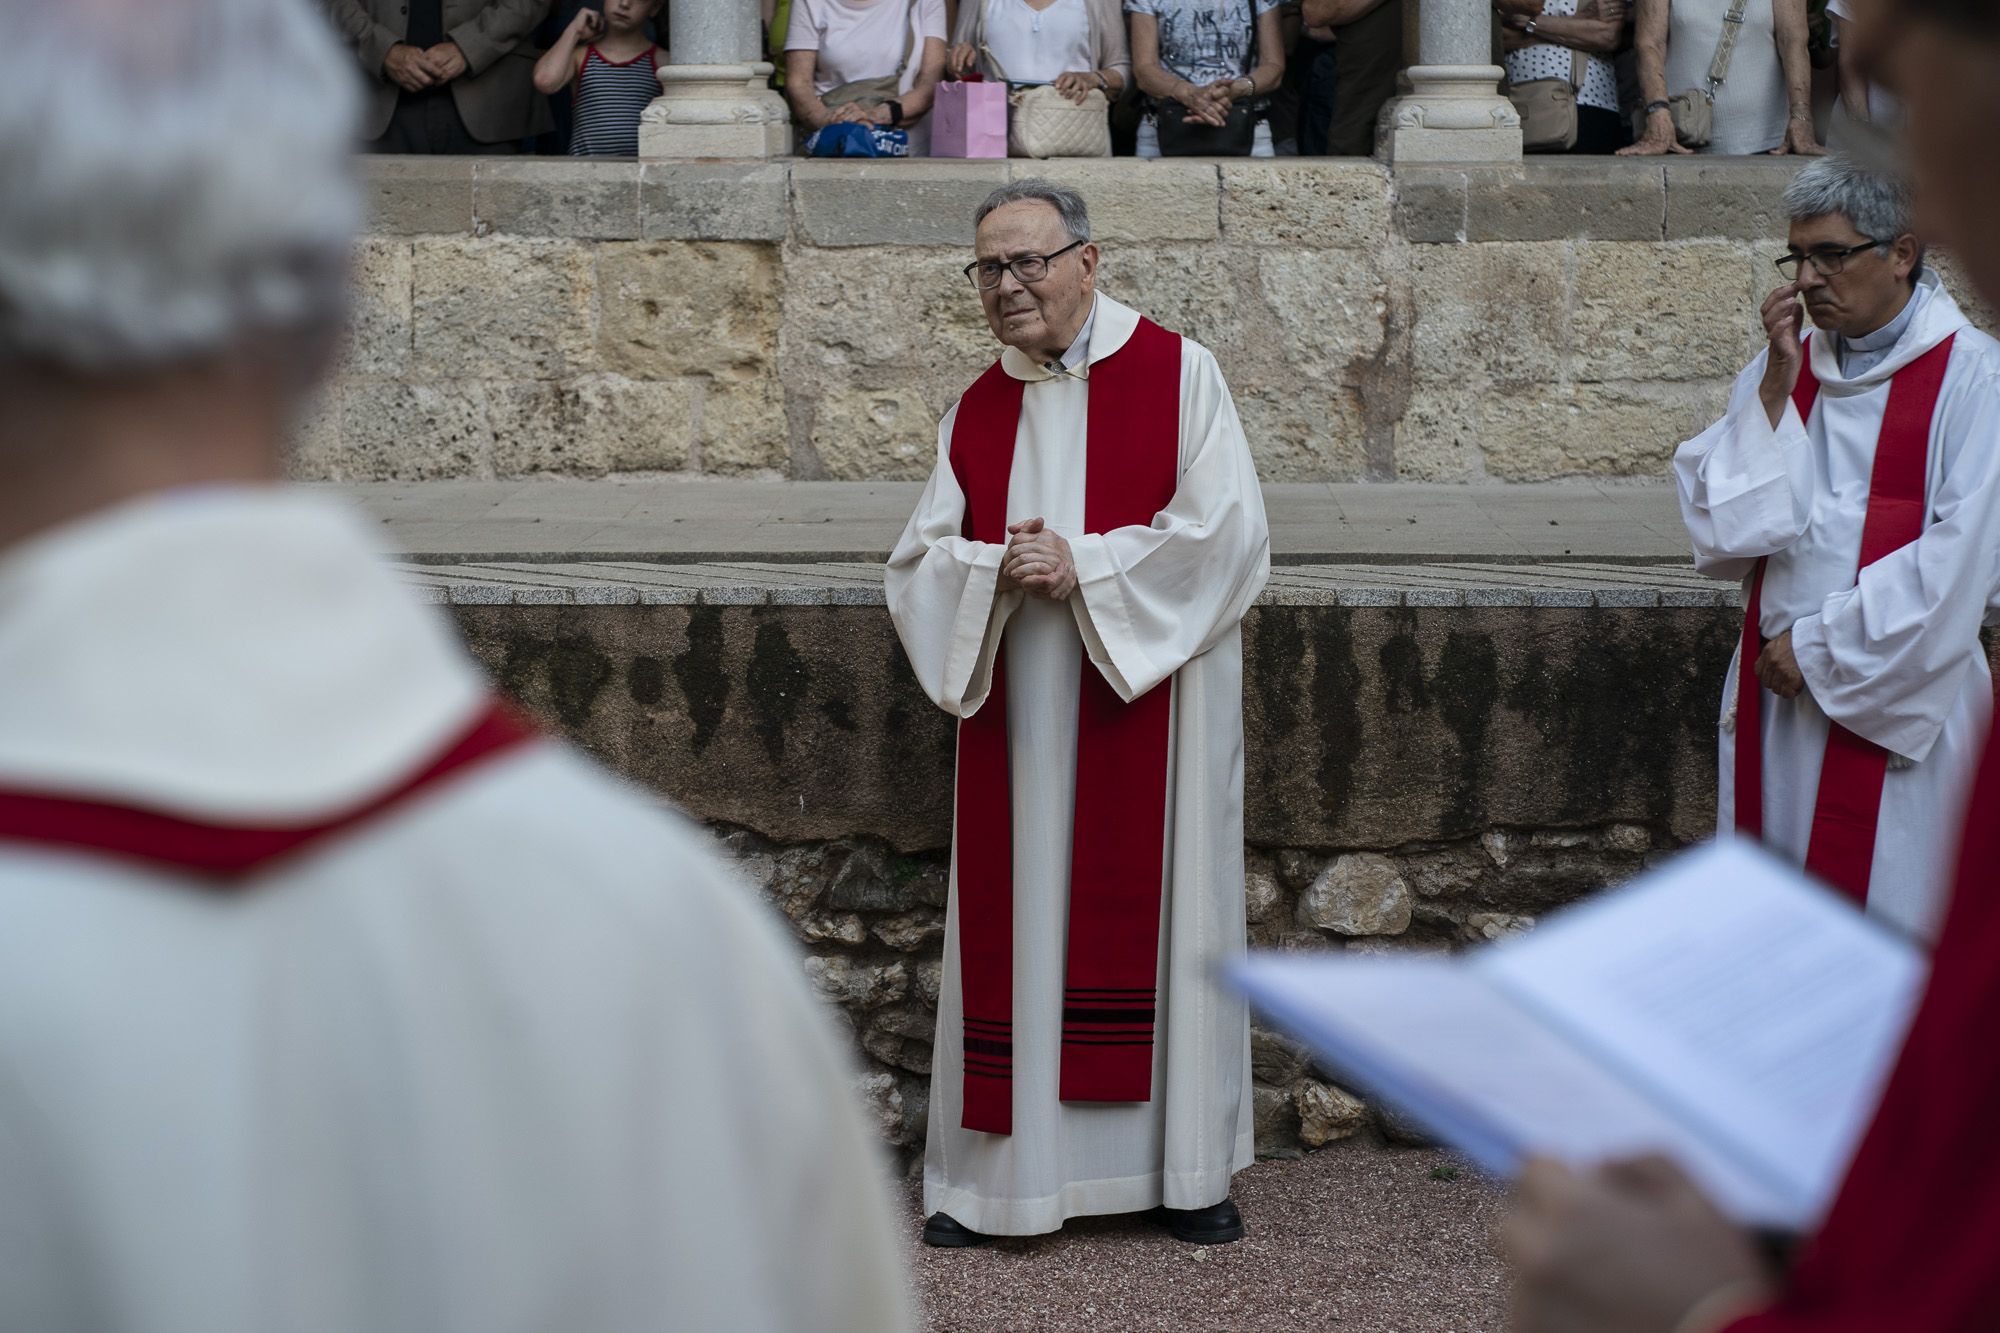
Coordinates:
x,y
175,179
1876,202
1067,202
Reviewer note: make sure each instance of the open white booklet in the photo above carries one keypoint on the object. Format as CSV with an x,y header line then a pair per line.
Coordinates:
x,y
1723,1009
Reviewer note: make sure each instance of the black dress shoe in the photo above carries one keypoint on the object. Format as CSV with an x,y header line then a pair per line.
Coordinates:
x,y
949,1233
1216,1225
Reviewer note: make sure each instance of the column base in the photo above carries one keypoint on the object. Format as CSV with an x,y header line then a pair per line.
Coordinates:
x,y
716,111
1452,113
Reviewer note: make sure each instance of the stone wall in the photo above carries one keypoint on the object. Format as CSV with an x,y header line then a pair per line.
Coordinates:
x,y
1417,777
808,319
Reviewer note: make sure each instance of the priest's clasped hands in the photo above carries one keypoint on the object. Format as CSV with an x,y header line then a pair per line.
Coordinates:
x,y
1778,669
1037,562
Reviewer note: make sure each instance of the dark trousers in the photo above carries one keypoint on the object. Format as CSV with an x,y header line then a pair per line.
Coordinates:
x,y
429,123
1366,58
1318,99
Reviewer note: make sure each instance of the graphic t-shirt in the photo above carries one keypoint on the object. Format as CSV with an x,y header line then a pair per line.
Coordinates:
x,y
1205,40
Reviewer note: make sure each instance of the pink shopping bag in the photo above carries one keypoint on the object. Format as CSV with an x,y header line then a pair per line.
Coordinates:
x,y
969,120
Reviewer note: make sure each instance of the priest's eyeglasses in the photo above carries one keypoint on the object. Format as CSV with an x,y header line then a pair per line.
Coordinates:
x,y
985,273
1827,263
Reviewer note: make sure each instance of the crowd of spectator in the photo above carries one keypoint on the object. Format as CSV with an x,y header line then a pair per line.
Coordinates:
x,y
1174,77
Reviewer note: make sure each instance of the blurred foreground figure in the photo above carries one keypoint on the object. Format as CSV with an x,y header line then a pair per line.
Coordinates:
x,y
331,998
1856,707
1912,1244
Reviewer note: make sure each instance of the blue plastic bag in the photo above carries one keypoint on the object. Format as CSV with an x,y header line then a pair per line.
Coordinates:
x,y
851,139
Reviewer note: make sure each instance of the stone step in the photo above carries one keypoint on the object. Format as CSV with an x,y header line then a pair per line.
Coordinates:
x,y
685,522
858,583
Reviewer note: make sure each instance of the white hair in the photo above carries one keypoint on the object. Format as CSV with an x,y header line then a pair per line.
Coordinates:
x,y
177,178
1877,203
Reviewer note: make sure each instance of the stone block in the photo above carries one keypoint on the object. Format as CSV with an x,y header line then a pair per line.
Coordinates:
x,y
1300,202
1606,199
1361,893
1737,197
1304,432
313,444
417,196
743,429
875,434
1497,311
1600,430
1429,205
1195,291
501,309
1327,1113
857,985
1275,1060
674,308
714,201
1276,1122
871,318
377,342
599,424
916,201
430,431
572,197
1133,201
1437,436
1683,310
1331,311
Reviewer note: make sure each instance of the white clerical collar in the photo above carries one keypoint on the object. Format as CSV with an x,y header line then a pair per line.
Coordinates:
x,y
237,654
1108,327
1079,348
1891,333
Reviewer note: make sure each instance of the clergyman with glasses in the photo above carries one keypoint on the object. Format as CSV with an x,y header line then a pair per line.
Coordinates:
x,y
1071,588
1853,488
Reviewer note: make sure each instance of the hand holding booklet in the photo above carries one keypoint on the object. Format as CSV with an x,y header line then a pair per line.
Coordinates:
x,y
1724,1010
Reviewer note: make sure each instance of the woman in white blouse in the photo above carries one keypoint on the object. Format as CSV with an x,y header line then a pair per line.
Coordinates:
x,y
1077,45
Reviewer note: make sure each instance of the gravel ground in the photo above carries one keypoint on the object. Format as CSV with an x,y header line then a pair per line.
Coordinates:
x,y
1357,1239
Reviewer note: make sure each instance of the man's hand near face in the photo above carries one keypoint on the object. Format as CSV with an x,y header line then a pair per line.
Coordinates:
x,y
1632,1246
1037,562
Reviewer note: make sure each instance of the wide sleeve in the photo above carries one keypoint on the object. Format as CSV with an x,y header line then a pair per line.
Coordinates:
x,y
1745,488
1886,658
944,593
1149,599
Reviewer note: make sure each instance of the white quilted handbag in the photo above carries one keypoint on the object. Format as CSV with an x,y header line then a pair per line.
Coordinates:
x,y
1041,122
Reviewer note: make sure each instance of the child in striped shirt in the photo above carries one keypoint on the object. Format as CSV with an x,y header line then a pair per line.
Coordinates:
x,y
611,67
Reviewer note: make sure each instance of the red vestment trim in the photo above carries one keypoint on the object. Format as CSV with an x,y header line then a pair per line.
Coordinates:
x,y
1117,866
1847,807
230,853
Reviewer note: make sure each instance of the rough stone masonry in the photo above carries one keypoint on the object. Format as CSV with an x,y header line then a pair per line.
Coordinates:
x,y
808,320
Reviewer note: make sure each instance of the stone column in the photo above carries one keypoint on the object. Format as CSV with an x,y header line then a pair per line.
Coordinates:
x,y
1453,111
714,100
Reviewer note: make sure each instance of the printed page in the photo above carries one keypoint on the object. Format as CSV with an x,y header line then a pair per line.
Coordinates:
x,y
1487,1077
1755,1006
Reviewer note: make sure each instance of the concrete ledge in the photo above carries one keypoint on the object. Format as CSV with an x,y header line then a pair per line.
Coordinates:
x,y
891,203
1328,202
1599,199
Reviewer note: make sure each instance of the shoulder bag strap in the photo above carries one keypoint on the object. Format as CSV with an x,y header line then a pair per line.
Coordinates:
x,y
1725,46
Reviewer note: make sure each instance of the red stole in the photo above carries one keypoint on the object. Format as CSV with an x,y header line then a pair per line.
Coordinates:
x,y
1912,1242
228,854
1841,849
1117,855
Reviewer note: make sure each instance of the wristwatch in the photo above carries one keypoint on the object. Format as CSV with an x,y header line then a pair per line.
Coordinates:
x,y
895,112
1654,108
1529,27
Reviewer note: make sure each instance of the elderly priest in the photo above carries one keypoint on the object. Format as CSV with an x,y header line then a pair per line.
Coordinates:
x,y
1854,488
1071,588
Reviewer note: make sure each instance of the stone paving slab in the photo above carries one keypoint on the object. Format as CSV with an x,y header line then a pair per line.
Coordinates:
x,y
692,521
715,583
